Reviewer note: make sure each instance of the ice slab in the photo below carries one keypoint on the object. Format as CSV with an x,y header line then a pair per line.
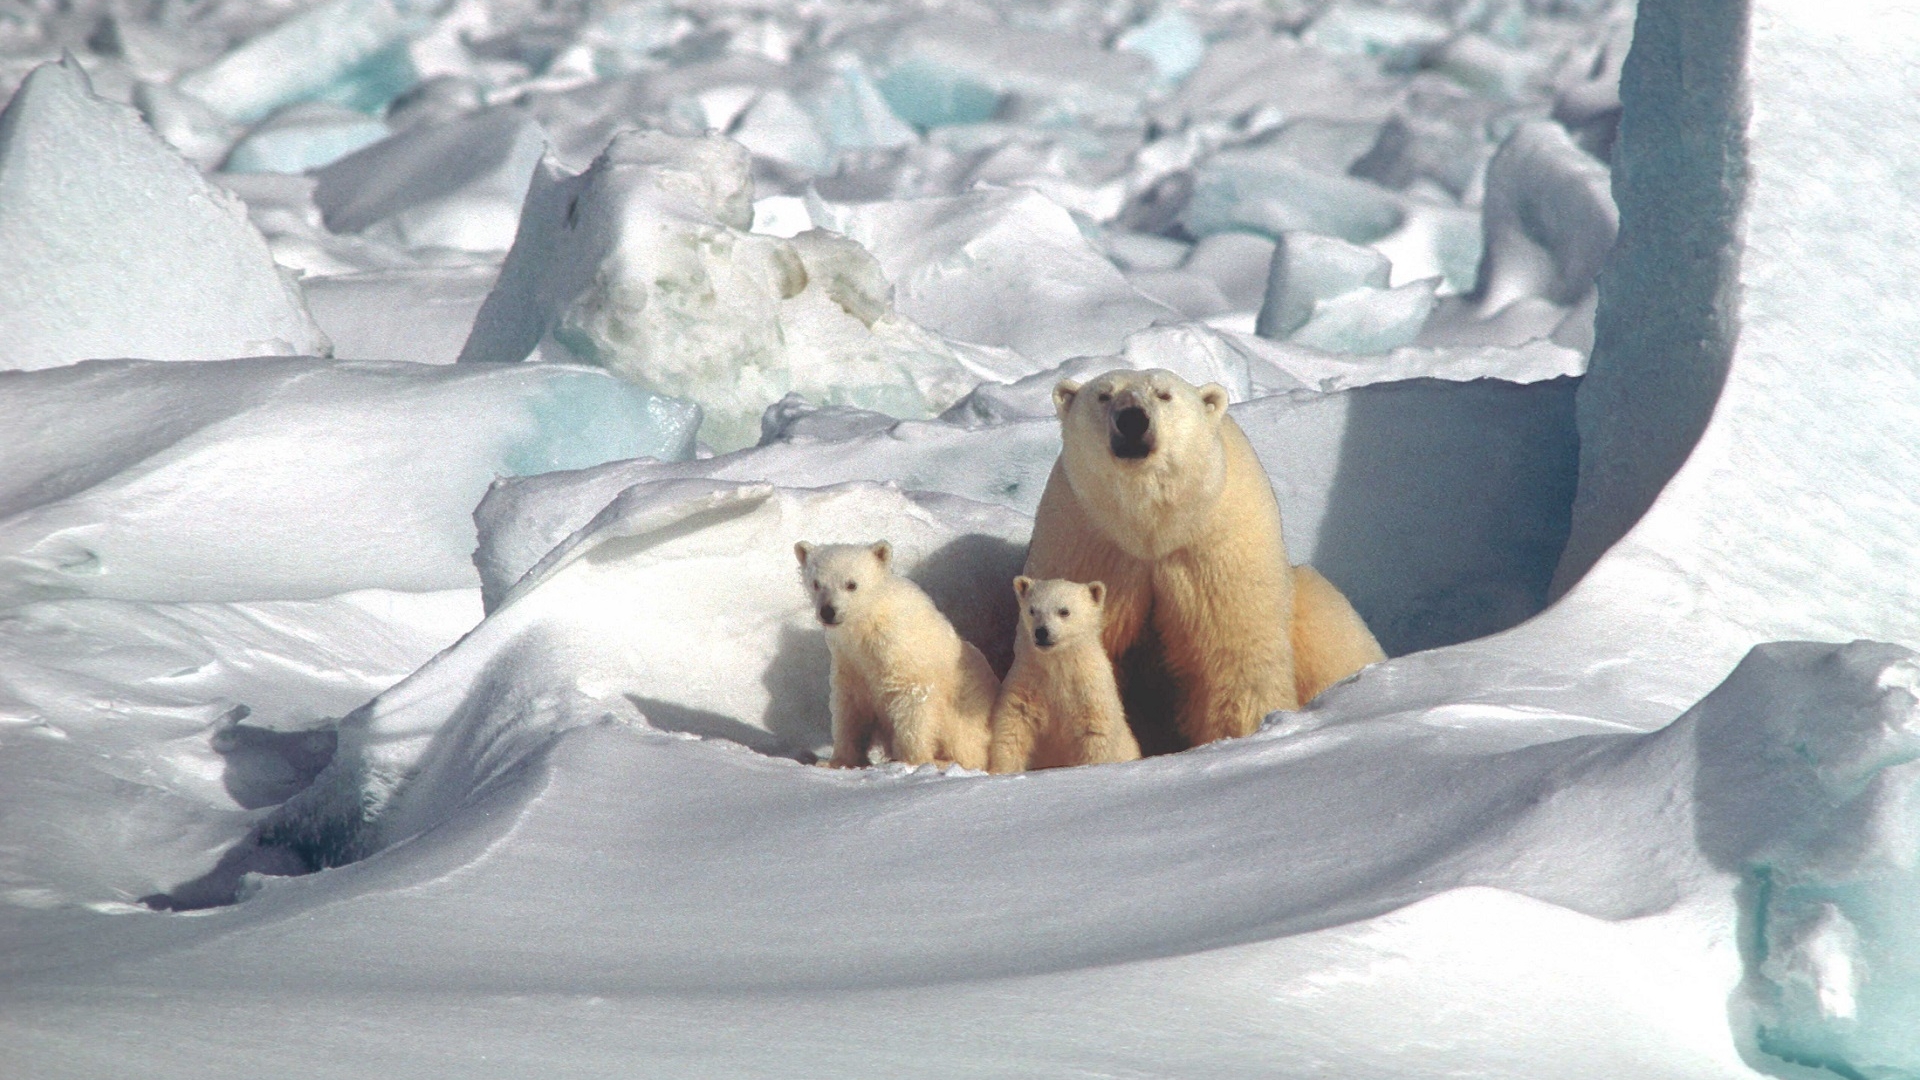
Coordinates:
x,y
1259,189
643,265
943,69
350,52
455,184
287,478
1549,219
1369,320
1307,270
421,315
1398,40
1169,39
304,136
79,177
1242,74
999,268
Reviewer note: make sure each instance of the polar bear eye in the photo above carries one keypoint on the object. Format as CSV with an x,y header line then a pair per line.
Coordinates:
x,y
1163,395
852,585
1064,613
1105,396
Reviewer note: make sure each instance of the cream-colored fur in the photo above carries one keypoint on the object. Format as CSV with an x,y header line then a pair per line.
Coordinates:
x,y
1060,704
1330,641
899,672
1171,508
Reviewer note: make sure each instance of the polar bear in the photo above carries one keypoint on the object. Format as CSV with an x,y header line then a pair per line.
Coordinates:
x,y
1157,492
1060,704
899,671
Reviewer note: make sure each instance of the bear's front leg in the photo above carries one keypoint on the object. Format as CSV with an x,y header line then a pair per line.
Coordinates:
x,y
1106,744
1225,632
1013,738
916,725
853,718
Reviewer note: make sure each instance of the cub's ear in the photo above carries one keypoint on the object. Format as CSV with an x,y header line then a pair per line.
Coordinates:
x,y
801,550
883,551
1215,398
1021,585
1097,590
1063,393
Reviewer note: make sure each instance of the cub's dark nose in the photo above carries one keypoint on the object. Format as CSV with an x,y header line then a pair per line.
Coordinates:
x,y
828,615
1129,437
1042,636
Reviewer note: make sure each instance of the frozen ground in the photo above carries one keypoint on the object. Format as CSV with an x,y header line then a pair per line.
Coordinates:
x,y
410,408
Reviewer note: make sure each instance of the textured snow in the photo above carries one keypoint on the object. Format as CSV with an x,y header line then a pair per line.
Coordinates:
x,y
78,176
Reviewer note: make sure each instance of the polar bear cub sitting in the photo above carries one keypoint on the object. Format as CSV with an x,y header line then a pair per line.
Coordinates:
x,y
899,670
1060,704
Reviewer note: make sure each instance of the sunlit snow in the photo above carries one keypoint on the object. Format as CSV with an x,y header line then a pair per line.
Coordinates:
x,y
408,409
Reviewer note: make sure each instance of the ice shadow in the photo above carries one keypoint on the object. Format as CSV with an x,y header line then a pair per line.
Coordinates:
x,y
668,716
264,767
1449,503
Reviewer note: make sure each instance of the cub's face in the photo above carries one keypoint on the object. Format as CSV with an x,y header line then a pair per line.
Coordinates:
x,y
1139,418
1056,612
843,579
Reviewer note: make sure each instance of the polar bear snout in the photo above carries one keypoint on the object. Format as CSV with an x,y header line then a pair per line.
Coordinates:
x,y
1130,429
1042,636
829,615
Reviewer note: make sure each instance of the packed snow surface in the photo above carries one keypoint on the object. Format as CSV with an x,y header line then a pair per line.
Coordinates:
x,y
410,409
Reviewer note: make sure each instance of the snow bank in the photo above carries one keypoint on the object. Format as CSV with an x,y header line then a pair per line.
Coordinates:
x,y
286,478
79,176
678,603
1477,848
142,739
643,265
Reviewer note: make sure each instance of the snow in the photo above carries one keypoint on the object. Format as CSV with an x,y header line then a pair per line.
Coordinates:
x,y
440,705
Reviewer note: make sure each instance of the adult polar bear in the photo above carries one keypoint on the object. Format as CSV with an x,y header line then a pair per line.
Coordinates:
x,y
1158,493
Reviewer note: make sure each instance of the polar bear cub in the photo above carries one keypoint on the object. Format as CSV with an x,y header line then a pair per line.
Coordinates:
x,y
900,673
1060,704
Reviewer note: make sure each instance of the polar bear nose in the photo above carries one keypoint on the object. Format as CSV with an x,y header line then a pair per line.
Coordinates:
x,y
1130,438
1042,636
828,615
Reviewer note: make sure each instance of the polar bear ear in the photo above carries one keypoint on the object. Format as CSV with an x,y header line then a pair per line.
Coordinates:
x,y
1097,590
1021,585
882,551
1063,393
801,550
1215,398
